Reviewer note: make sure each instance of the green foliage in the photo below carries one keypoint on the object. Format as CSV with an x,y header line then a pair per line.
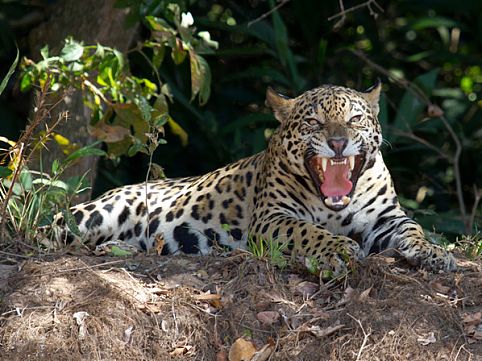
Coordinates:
x,y
128,112
37,196
268,249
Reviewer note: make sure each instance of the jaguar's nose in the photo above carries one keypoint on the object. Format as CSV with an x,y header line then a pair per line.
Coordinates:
x,y
338,145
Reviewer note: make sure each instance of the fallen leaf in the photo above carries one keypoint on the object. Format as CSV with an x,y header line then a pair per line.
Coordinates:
x,y
347,296
80,318
159,243
241,350
472,319
438,287
207,297
365,294
268,317
307,289
322,332
179,351
427,339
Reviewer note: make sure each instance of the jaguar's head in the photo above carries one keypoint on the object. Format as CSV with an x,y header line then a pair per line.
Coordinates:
x,y
332,133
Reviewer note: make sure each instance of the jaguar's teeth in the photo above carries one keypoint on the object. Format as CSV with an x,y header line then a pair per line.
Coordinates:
x,y
329,201
345,200
351,159
324,163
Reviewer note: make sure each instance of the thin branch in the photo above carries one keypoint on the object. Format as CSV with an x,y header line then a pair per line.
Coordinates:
x,y
367,4
266,14
458,179
340,22
477,196
424,142
365,337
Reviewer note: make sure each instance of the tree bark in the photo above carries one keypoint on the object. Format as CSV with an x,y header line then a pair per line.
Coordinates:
x,y
90,21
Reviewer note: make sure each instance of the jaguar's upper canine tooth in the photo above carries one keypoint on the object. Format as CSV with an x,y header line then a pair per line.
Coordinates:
x,y
324,163
351,160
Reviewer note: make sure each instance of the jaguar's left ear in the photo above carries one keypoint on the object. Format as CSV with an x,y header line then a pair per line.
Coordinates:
x,y
372,96
280,105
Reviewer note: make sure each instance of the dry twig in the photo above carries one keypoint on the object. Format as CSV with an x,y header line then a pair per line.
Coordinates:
x,y
268,13
365,337
343,12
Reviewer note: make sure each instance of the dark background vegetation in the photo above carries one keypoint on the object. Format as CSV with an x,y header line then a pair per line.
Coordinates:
x,y
426,52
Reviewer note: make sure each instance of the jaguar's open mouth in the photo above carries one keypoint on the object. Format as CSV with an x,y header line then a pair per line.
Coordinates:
x,y
335,178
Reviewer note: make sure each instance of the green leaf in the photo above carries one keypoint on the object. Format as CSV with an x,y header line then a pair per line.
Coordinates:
x,y
72,51
55,166
160,25
120,60
89,150
284,51
116,251
45,52
5,172
158,56
178,54
412,105
100,51
11,70
205,90
70,221
26,179
433,22
26,82
200,77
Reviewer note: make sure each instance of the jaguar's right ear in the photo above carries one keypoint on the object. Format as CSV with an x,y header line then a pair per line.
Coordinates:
x,y
280,105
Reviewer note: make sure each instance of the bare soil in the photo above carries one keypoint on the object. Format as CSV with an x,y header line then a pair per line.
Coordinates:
x,y
228,307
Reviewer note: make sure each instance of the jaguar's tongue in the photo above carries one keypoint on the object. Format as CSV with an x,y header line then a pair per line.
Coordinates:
x,y
336,182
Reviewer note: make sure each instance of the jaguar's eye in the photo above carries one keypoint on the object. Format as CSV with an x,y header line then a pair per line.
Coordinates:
x,y
355,118
313,121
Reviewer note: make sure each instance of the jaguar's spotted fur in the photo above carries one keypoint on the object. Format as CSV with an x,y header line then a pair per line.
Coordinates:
x,y
321,187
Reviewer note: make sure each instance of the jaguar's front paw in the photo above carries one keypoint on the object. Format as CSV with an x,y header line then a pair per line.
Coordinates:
x,y
339,255
432,257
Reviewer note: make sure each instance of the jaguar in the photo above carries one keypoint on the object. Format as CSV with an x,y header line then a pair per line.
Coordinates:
x,y
321,190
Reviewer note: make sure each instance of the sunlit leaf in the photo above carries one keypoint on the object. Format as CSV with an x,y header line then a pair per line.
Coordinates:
x,y
45,52
89,150
178,54
108,133
158,24
10,72
176,129
71,51
158,56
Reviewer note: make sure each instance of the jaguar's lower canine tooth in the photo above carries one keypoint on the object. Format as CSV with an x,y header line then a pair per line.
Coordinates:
x,y
329,201
324,163
345,200
351,160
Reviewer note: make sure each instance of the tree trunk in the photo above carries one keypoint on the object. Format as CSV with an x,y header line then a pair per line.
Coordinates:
x,y
90,21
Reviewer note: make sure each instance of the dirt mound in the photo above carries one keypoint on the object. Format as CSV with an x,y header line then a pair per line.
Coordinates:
x,y
197,308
